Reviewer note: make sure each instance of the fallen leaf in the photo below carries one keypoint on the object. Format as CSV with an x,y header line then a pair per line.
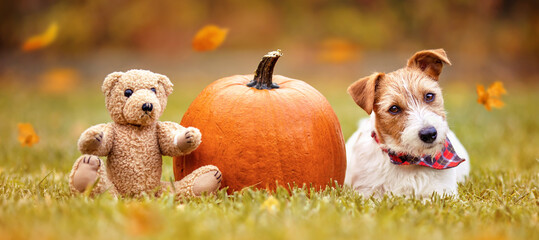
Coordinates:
x,y
59,80
337,50
491,97
271,205
489,233
180,207
42,40
209,38
141,220
27,135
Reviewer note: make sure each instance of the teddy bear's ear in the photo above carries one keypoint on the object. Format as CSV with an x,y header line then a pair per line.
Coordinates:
x,y
110,81
165,82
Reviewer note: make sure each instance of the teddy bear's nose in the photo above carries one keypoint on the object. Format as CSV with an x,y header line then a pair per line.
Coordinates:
x,y
147,107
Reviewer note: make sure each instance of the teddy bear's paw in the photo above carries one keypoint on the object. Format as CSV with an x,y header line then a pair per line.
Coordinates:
x,y
208,182
86,173
92,140
188,140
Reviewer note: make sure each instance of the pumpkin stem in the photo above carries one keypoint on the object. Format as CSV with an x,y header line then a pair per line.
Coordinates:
x,y
264,72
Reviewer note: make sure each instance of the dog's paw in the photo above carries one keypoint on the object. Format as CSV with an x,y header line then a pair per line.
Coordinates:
x,y
86,173
188,140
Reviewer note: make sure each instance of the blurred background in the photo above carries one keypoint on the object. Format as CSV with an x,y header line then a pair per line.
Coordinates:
x,y
328,44
344,40
54,55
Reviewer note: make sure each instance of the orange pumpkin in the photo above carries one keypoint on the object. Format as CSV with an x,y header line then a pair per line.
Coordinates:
x,y
267,130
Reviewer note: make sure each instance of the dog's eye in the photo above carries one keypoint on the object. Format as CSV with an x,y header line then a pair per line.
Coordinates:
x,y
128,93
429,97
153,90
394,109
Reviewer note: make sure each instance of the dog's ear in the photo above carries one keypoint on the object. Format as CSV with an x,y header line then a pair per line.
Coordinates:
x,y
166,83
362,91
429,61
110,81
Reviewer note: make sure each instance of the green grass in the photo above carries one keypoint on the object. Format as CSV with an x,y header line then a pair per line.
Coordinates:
x,y
499,201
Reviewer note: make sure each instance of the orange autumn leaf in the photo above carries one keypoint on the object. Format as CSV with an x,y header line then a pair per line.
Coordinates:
x,y
59,80
496,89
491,97
41,40
337,50
27,135
142,220
209,38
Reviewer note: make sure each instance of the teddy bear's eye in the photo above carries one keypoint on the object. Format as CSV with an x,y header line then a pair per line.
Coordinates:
x,y
153,90
128,93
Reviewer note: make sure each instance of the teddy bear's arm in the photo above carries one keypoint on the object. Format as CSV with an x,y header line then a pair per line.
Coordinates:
x,y
97,140
175,140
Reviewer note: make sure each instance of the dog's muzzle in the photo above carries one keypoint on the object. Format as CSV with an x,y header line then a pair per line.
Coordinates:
x,y
428,134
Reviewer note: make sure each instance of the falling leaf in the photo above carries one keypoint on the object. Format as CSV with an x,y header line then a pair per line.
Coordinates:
x,y
491,96
42,40
337,50
141,220
27,135
209,38
59,80
271,205
496,89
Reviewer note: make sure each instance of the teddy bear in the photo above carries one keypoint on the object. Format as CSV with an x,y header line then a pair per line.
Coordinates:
x,y
135,142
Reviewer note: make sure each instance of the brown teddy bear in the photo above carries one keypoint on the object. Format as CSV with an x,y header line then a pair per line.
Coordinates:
x,y
135,142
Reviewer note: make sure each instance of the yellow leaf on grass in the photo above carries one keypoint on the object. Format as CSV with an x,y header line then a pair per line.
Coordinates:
x,y
27,135
59,80
271,205
209,38
337,50
491,97
42,40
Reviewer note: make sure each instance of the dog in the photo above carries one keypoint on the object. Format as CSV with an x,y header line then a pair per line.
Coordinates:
x,y
405,147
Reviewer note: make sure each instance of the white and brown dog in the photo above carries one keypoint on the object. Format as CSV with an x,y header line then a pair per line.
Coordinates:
x,y
405,147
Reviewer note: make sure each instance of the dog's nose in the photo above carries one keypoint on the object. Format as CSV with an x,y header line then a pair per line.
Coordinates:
x,y
428,134
147,107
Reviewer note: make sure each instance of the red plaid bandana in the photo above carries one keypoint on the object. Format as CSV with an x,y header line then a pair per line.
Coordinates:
x,y
445,159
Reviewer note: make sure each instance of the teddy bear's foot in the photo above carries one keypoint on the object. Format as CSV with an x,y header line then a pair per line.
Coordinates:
x,y
86,173
208,182
204,179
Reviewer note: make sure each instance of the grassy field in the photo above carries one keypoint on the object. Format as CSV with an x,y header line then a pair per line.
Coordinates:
x,y
499,201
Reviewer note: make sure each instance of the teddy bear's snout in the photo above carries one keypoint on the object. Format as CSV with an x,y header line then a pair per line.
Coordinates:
x,y
142,108
147,107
